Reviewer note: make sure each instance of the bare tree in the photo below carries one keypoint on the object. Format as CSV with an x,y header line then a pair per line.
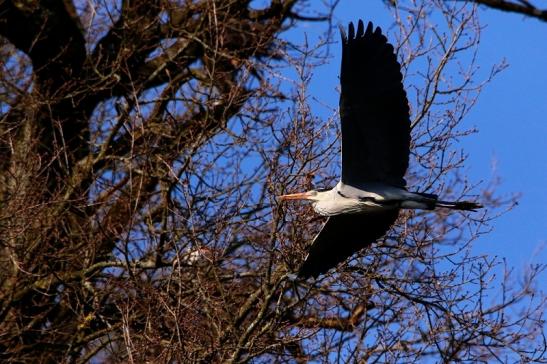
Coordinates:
x,y
142,145
522,7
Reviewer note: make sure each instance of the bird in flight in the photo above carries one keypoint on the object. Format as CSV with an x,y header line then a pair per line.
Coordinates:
x,y
375,120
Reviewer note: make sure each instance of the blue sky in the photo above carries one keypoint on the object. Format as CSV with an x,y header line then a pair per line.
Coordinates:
x,y
511,115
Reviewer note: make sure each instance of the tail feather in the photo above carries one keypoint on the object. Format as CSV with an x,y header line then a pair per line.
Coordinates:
x,y
460,205
432,201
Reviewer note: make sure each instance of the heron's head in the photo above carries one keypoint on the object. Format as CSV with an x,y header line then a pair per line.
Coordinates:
x,y
312,195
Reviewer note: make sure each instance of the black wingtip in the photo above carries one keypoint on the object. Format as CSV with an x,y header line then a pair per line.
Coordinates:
x,y
360,29
370,27
308,271
360,32
378,31
351,31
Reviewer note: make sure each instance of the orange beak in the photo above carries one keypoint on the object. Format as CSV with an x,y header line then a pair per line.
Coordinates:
x,y
295,196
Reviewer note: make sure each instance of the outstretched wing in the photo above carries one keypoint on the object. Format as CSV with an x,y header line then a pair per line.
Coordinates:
x,y
342,236
373,109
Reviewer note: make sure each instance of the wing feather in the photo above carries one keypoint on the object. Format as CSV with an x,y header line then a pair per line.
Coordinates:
x,y
342,236
374,110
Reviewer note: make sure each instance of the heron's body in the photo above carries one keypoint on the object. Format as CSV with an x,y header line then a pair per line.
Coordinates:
x,y
336,203
369,198
375,121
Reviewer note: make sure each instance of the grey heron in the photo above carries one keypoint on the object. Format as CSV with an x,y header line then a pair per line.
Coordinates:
x,y
375,119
